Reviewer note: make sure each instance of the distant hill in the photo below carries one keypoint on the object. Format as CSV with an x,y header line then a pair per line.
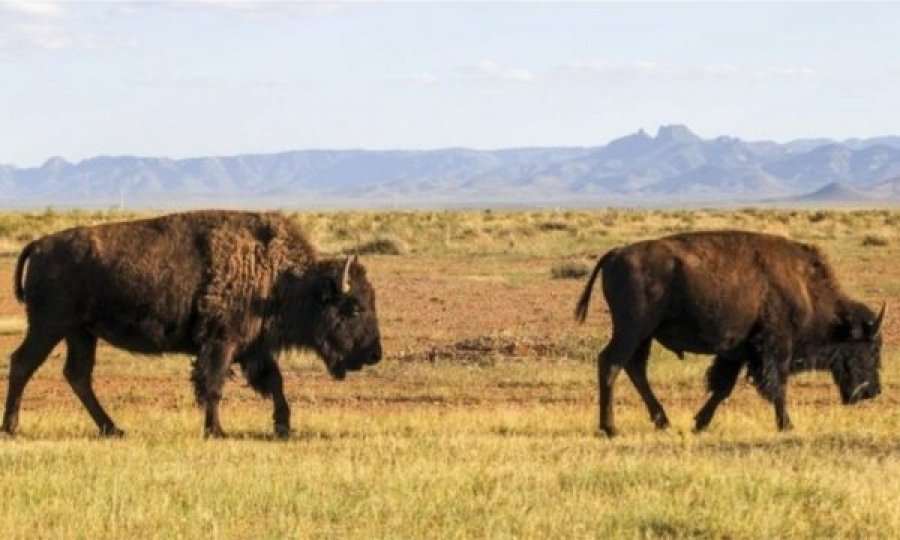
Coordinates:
x,y
674,166
836,193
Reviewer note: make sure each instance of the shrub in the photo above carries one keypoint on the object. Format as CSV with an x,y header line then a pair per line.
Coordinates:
x,y
549,226
382,246
570,270
874,240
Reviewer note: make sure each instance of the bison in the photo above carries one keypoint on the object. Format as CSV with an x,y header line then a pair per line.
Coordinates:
x,y
226,287
755,300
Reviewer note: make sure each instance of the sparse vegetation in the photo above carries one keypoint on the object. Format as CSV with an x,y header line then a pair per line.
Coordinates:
x,y
381,246
480,422
874,240
570,270
507,232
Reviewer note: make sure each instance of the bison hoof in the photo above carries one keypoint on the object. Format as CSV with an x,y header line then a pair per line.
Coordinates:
x,y
701,423
111,432
283,432
661,422
608,431
214,433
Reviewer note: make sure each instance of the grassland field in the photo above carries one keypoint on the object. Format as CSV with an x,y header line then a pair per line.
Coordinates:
x,y
481,420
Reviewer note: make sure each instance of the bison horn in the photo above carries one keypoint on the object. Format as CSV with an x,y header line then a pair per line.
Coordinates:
x,y
876,324
345,277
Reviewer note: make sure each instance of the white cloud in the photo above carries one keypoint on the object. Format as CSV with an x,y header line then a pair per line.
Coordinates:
x,y
26,24
483,71
492,71
424,78
267,6
35,8
211,81
248,8
647,70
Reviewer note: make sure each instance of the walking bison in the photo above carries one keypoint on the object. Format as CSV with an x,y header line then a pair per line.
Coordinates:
x,y
754,300
226,287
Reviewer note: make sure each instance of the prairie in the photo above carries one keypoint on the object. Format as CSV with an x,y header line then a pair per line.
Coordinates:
x,y
481,420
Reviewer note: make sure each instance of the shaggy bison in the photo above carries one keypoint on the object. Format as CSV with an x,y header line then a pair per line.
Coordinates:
x,y
754,300
226,287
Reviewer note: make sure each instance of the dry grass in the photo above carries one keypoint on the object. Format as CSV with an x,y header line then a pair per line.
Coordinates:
x,y
480,421
14,326
546,233
418,449
381,246
570,270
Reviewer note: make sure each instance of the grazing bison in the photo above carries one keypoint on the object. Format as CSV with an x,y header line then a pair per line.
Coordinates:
x,y
754,300
227,287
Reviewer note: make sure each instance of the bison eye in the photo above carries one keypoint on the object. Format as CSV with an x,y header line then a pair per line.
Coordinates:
x,y
351,309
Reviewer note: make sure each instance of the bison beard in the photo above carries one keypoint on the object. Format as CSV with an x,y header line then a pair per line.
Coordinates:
x,y
226,287
757,301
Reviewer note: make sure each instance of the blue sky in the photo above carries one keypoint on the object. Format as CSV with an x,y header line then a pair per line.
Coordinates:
x,y
214,77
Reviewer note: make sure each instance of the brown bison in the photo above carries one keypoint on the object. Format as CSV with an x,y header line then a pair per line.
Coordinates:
x,y
226,287
754,300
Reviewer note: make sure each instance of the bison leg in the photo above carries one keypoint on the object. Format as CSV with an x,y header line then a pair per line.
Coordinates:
x,y
282,411
263,374
770,373
607,373
637,372
618,353
210,371
782,420
23,363
720,379
80,359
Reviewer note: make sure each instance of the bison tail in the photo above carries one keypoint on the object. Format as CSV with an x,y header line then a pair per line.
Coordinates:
x,y
581,308
18,285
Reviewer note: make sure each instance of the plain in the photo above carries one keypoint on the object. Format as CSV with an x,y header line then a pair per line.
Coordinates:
x,y
480,422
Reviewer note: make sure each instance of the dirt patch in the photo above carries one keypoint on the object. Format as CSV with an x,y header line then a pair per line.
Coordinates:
x,y
487,350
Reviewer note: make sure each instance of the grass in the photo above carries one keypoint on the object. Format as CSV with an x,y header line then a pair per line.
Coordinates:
x,y
381,246
874,240
507,232
413,450
484,484
570,270
12,326
481,420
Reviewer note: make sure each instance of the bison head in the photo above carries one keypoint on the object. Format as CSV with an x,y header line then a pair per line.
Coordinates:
x,y
856,355
345,331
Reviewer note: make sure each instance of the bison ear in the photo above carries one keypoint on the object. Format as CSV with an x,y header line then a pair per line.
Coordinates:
x,y
850,328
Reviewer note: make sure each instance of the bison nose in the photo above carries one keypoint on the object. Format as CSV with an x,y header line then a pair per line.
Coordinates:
x,y
376,354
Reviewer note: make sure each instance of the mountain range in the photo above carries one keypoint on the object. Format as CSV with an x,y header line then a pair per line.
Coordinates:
x,y
673,167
